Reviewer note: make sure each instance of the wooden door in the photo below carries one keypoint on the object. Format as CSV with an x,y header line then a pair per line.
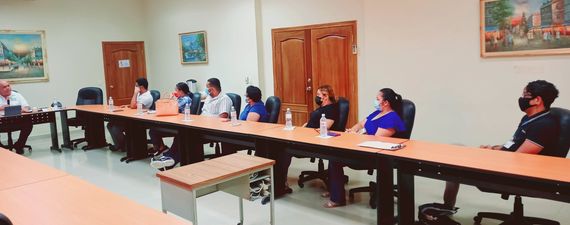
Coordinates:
x,y
291,67
124,62
334,63
307,57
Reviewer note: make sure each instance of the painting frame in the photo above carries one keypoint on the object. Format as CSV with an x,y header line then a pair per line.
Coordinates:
x,y
488,40
187,39
35,65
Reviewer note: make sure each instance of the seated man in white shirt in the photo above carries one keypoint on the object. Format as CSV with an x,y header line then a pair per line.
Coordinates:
x,y
217,104
10,98
117,128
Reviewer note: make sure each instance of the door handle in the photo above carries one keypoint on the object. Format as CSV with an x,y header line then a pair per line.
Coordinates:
x,y
111,86
309,86
309,89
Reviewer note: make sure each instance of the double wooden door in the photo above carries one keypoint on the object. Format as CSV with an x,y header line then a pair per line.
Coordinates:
x,y
307,57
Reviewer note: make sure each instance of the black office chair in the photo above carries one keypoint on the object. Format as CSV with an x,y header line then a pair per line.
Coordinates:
x,y
4,220
236,100
155,96
517,216
85,96
408,116
236,103
340,125
273,108
196,101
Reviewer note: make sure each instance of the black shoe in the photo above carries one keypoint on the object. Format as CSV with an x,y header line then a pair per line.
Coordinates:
x,y
20,151
114,148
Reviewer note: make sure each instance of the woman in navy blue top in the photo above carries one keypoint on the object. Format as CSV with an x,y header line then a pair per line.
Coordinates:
x,y
385,121
254,109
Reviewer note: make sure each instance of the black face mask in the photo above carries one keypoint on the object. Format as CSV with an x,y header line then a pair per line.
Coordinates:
x,y
318,100
524,103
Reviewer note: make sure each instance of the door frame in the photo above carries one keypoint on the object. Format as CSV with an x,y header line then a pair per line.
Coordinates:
x,y
353,79
107,67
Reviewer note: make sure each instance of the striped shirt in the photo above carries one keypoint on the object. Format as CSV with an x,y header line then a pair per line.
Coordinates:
x,y
214,106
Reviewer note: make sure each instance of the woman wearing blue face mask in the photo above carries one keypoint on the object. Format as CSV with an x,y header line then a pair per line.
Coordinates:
x,y
384,121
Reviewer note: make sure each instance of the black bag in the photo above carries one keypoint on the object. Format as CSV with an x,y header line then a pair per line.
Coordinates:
x,y
436,214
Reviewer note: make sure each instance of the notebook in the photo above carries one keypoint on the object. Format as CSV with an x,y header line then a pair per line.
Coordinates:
x,y
381,145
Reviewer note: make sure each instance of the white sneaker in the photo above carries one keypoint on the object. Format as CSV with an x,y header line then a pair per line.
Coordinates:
x,y
162,162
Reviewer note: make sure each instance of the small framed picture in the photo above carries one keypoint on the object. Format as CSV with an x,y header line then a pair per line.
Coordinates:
x,y
193,47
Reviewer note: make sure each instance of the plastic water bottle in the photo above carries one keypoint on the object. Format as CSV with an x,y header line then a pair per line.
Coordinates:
x,y
288,119
111,104
187,112
139,108
233,115
55,104
323,127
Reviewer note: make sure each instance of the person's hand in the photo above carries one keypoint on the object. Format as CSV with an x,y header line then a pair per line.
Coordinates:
x,y
225,119
492,147
137,89
350,130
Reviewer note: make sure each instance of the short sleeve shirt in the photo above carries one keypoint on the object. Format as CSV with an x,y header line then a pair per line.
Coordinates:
x,y
258,108
389,121
217,105
542,129
330,111
182,101
145,99
15,99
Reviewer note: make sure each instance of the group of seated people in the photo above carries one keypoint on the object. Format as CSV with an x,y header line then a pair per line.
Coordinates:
x,y
537,132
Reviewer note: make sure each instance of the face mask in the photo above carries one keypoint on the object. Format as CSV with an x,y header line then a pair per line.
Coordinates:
x,y
207,91
377,105
318,100
246,101
175,94
524,103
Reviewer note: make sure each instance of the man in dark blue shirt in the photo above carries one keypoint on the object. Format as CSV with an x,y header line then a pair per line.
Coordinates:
x,y
537,132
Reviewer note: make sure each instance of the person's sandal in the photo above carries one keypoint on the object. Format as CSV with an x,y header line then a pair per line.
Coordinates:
x,y
325,194
330,204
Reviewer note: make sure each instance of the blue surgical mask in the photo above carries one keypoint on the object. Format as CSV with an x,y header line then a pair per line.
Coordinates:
x,y
377,105
207,91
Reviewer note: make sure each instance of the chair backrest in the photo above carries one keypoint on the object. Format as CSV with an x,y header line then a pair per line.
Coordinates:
x,y
343,109
563,116
196,101
89,96
155,96
236,100
273,107
408,116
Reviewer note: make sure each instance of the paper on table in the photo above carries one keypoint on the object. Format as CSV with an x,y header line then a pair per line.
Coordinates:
x,y
381,145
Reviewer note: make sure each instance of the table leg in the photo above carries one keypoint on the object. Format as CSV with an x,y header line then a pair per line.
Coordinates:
x,y
385,191
53,131
240,211
406,207
191,146
65,130
272,197
94,131
136,142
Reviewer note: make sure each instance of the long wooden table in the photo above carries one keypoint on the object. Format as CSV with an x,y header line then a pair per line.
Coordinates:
x,y
41,118
467,165
32,193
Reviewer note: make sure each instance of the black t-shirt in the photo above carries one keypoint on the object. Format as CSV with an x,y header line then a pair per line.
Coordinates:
x,y
542,129
330,111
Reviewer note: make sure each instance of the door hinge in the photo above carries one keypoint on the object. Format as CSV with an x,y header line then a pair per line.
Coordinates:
x,y
354,49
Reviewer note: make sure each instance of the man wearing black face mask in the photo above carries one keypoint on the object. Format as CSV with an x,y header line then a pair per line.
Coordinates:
x,y
537,132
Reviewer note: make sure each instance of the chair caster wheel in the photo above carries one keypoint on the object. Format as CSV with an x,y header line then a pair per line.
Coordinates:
x,y
477,219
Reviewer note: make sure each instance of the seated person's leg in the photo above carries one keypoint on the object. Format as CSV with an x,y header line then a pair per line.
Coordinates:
x,y
156,136
25,131
283,161
117,130
450,194
336,183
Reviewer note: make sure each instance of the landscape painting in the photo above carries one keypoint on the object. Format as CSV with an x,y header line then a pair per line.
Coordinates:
x,y
525,27
23,56
193,47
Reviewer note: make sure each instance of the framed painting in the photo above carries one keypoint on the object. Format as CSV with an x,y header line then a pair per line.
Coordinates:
x,y
524,27
193,47
23,56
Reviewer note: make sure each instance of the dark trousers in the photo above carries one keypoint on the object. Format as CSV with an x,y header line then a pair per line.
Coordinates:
x,y
156,135
336,182
117,131
25,128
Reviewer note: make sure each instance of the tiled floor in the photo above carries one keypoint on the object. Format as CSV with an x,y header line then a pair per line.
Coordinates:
x,y
137,181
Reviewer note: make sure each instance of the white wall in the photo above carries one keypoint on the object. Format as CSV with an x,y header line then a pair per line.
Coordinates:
x,y
231,37
429,52
74,32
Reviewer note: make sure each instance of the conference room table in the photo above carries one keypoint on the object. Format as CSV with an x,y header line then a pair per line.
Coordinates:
x,y
41,117
540,176
32,193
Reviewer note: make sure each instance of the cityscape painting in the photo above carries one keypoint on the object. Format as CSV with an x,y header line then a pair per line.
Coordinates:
x,y
193,47
23,56
525,27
